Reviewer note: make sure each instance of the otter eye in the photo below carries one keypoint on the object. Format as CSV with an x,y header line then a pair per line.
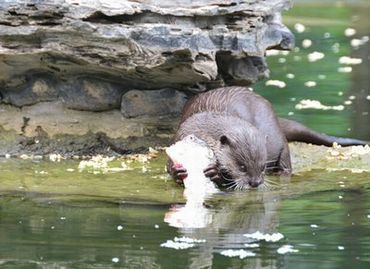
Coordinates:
x,y
243,168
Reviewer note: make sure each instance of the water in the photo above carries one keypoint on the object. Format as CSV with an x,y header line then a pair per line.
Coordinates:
x,y
325,25
54,216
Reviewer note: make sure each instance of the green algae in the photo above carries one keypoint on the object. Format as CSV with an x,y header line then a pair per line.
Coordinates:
x,y
146,179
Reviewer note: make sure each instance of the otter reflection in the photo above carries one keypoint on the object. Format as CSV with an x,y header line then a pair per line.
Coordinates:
x,y
224,225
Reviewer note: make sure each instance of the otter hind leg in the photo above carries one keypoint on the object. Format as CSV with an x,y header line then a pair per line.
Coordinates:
x,y
283,165
284,162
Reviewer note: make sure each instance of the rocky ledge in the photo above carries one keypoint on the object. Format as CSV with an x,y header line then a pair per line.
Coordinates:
x,y
116,70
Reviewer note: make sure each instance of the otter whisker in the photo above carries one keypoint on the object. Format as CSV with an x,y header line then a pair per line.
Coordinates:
x,y
271,161
268,185
240,185
245,187
232,186
264,186
228,179
229,183
224,177
269,181
271,168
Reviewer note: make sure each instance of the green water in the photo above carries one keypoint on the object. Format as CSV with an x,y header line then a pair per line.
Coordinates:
x,y
54,216
325,25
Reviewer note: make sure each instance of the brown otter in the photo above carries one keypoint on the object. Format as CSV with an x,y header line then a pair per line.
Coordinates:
x,y
238,166
243,131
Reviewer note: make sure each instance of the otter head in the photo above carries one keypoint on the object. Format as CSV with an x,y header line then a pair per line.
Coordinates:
x,y
242,157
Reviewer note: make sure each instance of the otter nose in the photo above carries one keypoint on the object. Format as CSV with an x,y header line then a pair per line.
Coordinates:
x,y
255,182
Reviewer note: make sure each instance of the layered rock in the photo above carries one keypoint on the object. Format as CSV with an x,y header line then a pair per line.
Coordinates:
x,y
97,55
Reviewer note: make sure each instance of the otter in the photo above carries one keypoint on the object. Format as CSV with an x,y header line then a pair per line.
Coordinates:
x,y
237,165
246,136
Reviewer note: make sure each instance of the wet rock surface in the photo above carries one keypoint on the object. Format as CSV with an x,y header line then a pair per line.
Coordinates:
x,y
88,54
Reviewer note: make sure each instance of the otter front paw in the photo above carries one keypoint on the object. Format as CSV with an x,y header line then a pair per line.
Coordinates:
x,y
212,172
179,173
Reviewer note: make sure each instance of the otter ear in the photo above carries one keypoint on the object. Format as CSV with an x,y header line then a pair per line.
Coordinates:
x,y
224,140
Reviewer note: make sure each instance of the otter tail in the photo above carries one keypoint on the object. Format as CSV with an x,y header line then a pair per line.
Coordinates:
x,y
295,131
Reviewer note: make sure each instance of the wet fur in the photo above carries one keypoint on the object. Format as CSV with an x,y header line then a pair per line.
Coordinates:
x,y
225,134
256,133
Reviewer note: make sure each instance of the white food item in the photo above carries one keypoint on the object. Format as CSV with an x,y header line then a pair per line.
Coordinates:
x,y
194,155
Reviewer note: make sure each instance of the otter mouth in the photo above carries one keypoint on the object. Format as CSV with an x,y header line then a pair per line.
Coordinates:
x,y
232,183
226,175
226,180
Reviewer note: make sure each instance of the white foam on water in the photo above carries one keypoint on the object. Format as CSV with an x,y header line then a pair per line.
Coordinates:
x,y
299,27
266,237
349,61
182,243
253,245
349,32
241,253
315,104
176,245
286,249
189,240
115,259
310,83
276,83
315,56
306,43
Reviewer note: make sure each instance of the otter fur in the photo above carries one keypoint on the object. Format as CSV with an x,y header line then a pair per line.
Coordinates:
x,y
246,136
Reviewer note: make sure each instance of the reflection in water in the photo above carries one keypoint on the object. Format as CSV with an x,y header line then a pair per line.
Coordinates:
x,y
187,216
316,212
227,224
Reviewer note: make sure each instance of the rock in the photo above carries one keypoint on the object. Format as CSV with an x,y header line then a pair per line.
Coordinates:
x,y
49,127
243,71
85,55
91,94
33,90
141,44
156,102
